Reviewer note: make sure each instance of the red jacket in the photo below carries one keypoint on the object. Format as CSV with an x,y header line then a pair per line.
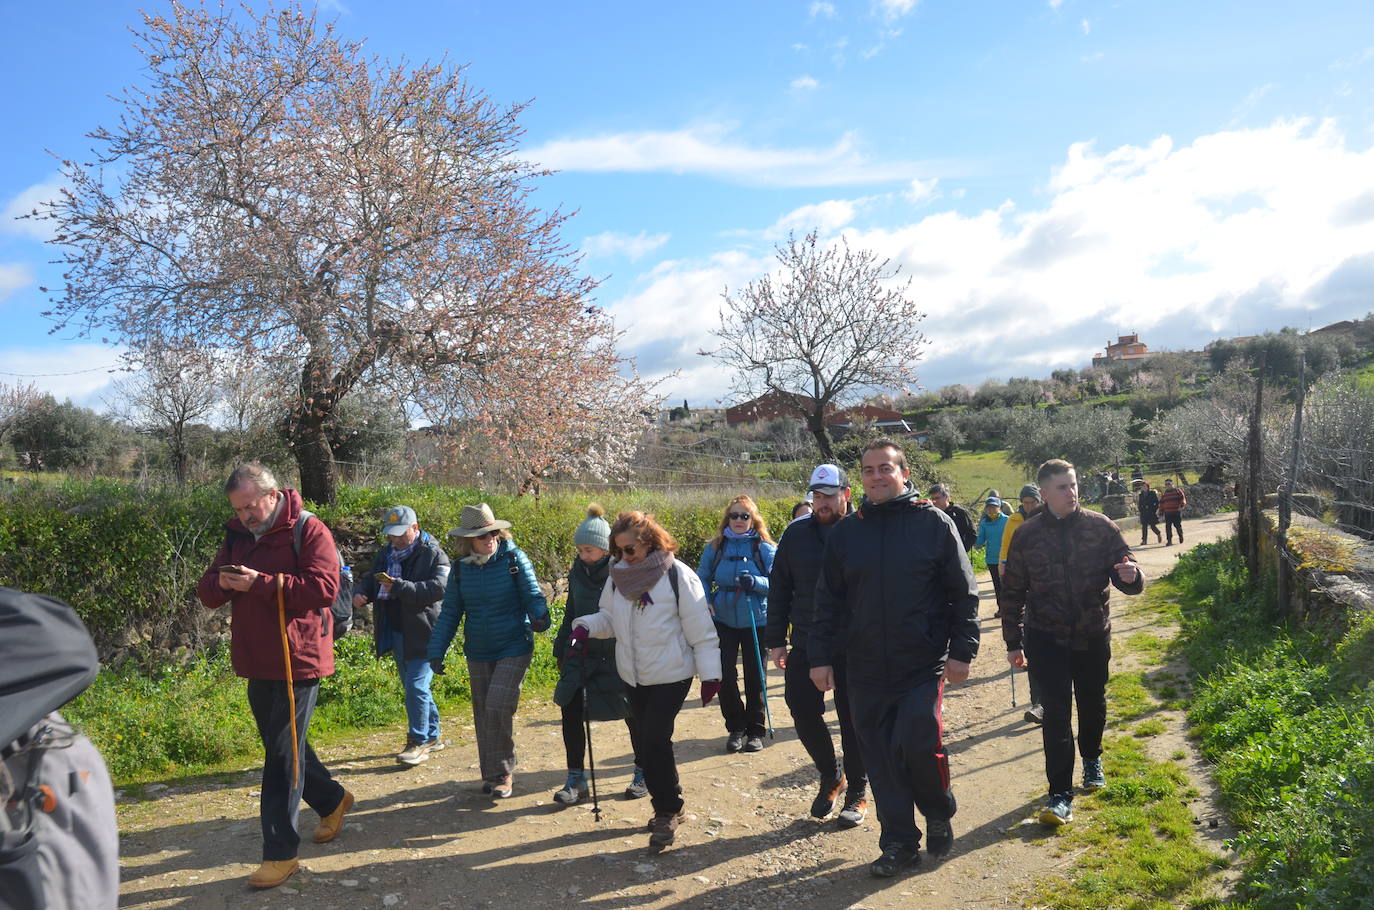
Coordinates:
x,y
1172,500
312,580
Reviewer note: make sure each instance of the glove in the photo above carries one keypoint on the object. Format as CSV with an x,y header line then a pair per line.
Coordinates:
x,y
437,665
745,581
540,625
709,689
575,639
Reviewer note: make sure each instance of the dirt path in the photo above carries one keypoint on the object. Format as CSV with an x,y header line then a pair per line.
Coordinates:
x,y
426,837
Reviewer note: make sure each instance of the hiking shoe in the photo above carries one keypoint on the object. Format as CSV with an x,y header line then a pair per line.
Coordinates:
x,y
664,827
330,826
1035,714
753,744
502,789
734,742
1093,777
824,803
637,788
273,872
939,836
854,812
487,787
413,753
436,745
894,860
1059,810
574,791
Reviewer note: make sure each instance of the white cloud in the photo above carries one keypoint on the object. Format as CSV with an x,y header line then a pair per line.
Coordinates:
x,y
824,217
1238,232
799,47
76,371
1086,26
13,276
709,150
25,203
821,10
921,190
805,83
1055,4
1250,102
613,243
895,9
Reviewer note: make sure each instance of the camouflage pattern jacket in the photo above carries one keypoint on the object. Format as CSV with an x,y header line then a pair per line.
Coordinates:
x,y
1056,575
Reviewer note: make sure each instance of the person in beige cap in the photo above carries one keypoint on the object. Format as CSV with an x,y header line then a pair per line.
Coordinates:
x,y
493,592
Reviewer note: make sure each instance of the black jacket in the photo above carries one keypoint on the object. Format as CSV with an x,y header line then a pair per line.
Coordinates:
x,y
415,598
963,524
792,583
585,583
896,596
1148,504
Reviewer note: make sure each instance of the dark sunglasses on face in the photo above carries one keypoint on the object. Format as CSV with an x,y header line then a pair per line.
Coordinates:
x,y
488,535
630,550
739,516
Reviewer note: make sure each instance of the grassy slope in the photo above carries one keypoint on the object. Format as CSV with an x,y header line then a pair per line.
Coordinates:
x,y
974,473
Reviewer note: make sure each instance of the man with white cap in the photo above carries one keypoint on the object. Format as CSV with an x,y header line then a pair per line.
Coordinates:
x,y
407,583
791,602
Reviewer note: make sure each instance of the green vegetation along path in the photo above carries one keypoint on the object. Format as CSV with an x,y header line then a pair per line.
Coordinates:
x,y
426,838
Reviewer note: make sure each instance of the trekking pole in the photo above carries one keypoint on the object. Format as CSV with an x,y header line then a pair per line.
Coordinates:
x,y
290,684
763,674
1013,685
591,759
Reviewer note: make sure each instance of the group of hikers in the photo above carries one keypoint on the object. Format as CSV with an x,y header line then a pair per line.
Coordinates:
x,y
874,599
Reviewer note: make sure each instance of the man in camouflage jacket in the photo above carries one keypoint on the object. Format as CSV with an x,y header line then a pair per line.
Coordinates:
x,y
1055,600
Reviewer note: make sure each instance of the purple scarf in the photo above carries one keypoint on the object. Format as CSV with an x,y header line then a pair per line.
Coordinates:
x,y
634,581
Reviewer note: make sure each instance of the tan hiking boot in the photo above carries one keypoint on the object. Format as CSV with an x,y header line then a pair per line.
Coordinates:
x,y
330,826
273,872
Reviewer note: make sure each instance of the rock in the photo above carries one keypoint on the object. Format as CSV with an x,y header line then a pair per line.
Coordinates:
x,y
349,882
390,900
645,868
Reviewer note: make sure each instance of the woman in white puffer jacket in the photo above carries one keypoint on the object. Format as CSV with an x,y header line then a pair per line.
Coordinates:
x,y
664,636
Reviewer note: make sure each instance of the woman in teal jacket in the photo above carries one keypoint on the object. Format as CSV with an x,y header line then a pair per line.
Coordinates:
x,y
990,529
734,571
493,592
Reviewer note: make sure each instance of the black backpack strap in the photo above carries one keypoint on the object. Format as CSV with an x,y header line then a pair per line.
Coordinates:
x,y
672,580
298,532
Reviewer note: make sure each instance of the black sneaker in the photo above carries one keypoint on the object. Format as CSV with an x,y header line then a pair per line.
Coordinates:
x,y
824,803
753,744
1035,714
894,860
1093,776
939,836
1058,811
735,742
855,810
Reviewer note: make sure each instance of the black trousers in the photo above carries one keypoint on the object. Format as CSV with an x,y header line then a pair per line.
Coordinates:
x,y
281,796
575,732
1173,521
901,736
1066,676
1149,521
655,709
995,573
741,716
807,704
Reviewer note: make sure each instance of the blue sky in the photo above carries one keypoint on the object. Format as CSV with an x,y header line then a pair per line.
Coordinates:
x,y
1048,173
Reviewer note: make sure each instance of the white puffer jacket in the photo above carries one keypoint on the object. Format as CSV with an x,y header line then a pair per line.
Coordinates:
x,y
663,642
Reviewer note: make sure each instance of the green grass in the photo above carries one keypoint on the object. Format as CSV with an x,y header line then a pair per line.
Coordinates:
x,y
975,472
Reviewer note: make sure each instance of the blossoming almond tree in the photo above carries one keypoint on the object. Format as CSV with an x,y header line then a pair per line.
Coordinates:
x,y
335,219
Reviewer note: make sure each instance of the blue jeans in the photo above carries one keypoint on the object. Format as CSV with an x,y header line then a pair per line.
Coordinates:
x,y
421,712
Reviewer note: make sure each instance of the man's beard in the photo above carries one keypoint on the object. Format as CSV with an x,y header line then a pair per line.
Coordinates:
x,y
827,516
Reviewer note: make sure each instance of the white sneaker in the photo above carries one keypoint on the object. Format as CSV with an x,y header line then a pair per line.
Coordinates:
x,y
413,753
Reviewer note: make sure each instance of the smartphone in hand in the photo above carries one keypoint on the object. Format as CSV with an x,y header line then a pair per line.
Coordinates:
x,y
232,570
383,578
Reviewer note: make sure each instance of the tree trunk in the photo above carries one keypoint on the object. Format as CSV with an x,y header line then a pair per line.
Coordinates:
x,y
816,424
315,460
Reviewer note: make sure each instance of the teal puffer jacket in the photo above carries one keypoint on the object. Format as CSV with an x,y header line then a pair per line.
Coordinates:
x,y
499,603
738,556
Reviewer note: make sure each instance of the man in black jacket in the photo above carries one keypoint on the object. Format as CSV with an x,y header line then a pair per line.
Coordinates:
x,y
407,582
791,601
963,521
897,595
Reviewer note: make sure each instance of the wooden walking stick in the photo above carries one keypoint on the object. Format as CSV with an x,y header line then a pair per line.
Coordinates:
x,y
290,684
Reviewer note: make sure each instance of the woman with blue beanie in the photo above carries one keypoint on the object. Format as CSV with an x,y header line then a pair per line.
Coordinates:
x,y
589,687
734,571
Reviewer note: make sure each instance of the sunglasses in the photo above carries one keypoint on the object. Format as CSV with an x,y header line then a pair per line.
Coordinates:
x,y
634,548
487,535
740,516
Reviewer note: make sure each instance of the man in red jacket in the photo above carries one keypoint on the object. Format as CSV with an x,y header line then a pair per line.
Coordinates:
x,y
280,631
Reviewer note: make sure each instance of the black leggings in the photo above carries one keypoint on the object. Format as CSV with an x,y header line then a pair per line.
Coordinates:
x,y
575,733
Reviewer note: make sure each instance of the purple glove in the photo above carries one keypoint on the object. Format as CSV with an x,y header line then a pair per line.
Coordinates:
x,y
710,688
576,637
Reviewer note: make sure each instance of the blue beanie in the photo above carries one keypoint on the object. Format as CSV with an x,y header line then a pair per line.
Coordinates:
x,y
595,531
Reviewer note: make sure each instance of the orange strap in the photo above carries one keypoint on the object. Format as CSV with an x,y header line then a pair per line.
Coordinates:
x,y
290,685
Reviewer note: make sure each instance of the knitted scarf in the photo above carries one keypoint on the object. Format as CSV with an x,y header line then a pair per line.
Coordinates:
x,y
394,557
634,581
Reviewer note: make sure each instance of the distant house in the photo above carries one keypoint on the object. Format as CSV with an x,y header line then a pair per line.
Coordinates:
x,y
769,406
1127,347
881,418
